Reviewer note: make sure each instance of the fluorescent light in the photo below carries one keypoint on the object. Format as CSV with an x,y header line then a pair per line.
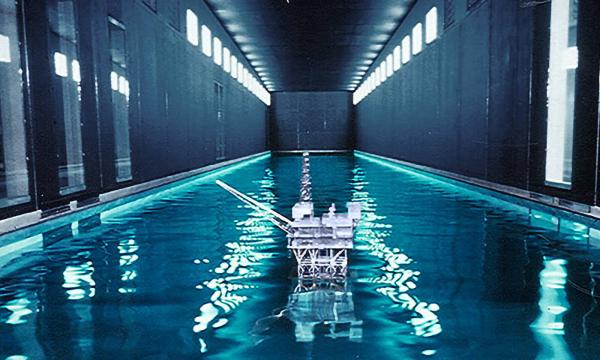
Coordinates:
x,y
406,49
382,73
417,38
431,25
114,81
389,64
60,64
217,51
240,72
5,49
397,58
234,67
76,71
206,41
122,85
226,60
191,21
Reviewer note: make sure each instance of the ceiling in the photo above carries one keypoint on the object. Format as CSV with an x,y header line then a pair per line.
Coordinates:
x,y
310,45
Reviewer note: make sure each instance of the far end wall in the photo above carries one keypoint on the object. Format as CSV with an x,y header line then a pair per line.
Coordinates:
x,y
311,120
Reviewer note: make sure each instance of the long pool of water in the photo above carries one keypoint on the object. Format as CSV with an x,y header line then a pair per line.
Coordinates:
x,y
438,271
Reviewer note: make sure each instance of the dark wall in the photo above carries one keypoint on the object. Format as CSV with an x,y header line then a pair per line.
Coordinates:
x,y
311,120
468,102
172,113
177,120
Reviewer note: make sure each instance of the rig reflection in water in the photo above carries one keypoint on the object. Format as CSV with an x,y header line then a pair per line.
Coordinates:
x,y
321,304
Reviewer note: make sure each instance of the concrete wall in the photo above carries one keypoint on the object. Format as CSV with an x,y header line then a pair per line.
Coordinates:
x,y
473,101
172,111
311,120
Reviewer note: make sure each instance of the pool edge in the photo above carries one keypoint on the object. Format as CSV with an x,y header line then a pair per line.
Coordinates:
x,y
526,198
21,223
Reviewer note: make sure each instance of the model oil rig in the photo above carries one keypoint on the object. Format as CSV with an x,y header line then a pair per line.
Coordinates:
x,y
319,244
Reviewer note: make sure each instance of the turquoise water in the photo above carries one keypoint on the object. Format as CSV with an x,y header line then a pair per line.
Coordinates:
x,y
438,272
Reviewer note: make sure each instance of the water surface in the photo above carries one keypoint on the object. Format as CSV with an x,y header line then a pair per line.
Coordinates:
x,y
438,272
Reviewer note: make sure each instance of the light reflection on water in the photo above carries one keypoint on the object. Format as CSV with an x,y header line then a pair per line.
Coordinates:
x,y
397,279
78,281
549,327
437,272
239,263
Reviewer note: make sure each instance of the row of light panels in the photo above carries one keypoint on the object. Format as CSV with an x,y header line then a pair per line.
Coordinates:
x,y
399,56
212,46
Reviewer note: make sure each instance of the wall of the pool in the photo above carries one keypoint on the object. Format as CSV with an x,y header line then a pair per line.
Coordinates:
x,y
176,122
473,102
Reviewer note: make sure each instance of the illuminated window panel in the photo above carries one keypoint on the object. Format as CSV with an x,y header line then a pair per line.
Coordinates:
x,y
240,73
417,39
246,78
123,85
382,72
397,58
191,21
234,67
60,65
389,64
377,76
206,41
561,92
217,51
114,81
226,60
75,71
5,49
406,49
431,25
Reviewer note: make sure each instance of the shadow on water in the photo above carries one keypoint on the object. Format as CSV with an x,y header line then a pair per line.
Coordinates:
x,y
437,271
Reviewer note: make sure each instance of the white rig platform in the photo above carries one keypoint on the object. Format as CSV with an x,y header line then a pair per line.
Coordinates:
x,y
320,245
